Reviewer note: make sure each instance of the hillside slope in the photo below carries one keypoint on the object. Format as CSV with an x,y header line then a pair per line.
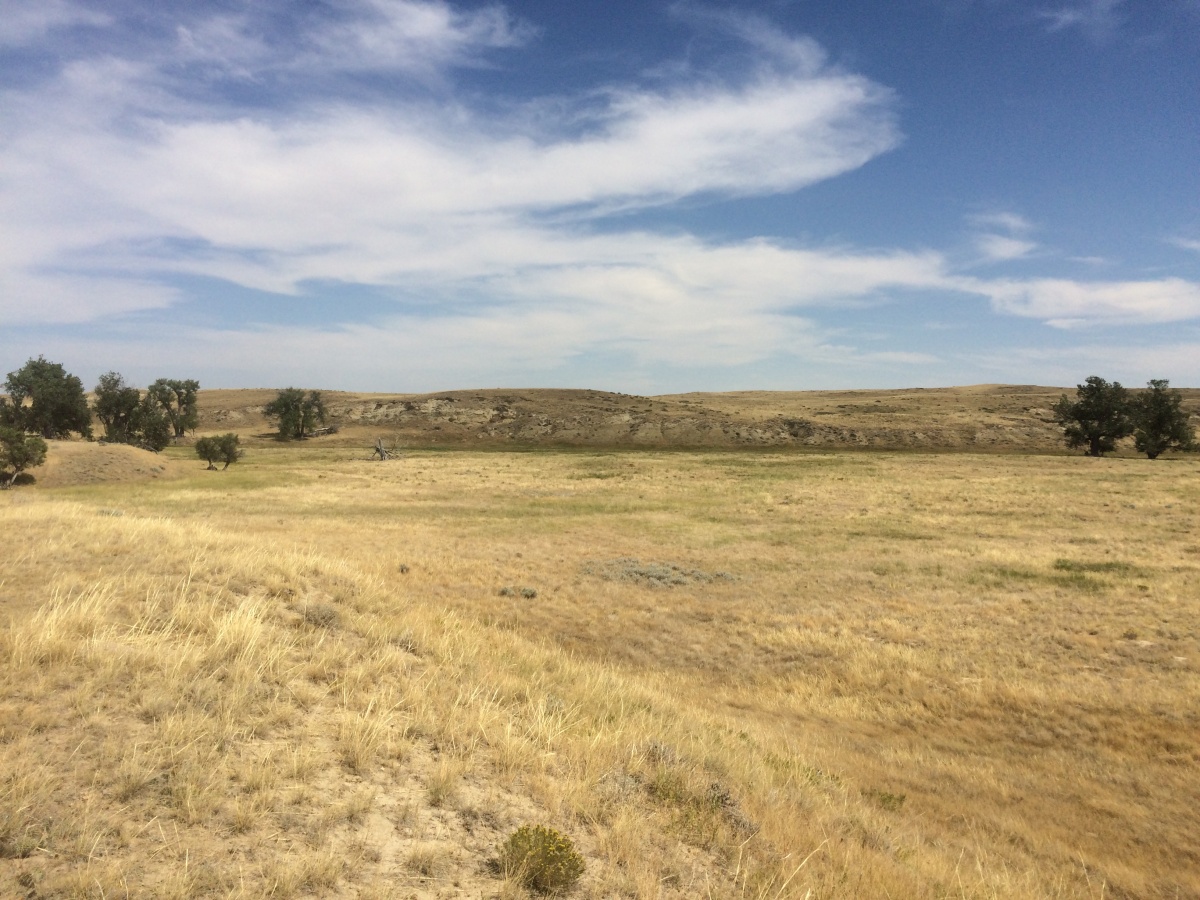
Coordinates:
x,y
983,417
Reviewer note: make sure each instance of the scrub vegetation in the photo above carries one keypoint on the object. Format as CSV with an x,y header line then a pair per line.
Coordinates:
x,y
724,674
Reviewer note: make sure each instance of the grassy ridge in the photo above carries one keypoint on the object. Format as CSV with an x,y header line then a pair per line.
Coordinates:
x,y
722,675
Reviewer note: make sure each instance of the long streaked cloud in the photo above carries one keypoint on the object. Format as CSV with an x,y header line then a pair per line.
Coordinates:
x,y
411,37
1067,304
131,168
111,170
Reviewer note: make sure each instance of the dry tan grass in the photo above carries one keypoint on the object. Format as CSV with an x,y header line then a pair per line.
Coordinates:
x,y
915,676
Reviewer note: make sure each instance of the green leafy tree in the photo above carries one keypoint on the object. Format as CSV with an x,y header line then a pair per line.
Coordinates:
x,y
116,406
1160,421
178,400
297,412
18,451
46,400
223,448
151,427
1098,418
128,416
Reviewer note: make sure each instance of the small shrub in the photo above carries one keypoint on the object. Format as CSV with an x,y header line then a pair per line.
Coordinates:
x,y
322,615
887,800
541,858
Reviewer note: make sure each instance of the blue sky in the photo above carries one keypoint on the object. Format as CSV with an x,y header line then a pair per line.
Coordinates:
x,y
396,195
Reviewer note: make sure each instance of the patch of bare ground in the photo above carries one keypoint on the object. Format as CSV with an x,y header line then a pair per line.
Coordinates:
x,y
767,675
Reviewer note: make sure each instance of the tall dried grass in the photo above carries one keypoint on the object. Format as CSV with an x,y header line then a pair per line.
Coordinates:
x,y
900,690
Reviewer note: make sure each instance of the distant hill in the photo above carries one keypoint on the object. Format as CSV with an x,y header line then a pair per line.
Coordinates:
x,y
996,418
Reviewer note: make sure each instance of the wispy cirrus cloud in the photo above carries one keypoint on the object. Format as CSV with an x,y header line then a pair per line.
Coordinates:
x,y
121,174
22,22
1185,243
1003,236
1098,19
243,149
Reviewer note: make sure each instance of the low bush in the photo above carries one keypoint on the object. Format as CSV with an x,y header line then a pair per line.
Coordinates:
x,y
541,858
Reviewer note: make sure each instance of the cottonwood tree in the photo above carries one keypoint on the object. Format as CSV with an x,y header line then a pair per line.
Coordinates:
x,y
151,425
116,406
178,400
298,412
18,451
1098,418
128,416
1160,421
46,400
223,448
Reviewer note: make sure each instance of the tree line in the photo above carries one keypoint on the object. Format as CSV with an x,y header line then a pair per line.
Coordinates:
x,y
45,401
1103,413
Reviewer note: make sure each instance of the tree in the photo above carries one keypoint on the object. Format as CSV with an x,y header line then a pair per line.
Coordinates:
x,y
18,451
57,404
116,406
1160,421
298,412
219,449
1098,418
178,400
129,417
151,427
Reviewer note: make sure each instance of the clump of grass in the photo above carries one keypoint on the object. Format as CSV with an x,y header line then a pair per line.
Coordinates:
x,y
428,860
1114,567
886,800
652,574
322,615
442,783
541,858
361,737
527,593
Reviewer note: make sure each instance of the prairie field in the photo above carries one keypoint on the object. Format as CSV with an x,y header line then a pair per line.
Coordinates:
x,y
745,674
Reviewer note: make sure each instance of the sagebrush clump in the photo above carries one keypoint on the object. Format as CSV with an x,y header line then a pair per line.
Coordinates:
x,y
541,858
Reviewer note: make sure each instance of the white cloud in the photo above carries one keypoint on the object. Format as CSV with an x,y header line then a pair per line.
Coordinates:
x,y
1009,222
1011,243
24,22
115,179
1001,248
415,38
414,35
114,173
1130,363
1098,19
1186,243
52,299
1066,304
